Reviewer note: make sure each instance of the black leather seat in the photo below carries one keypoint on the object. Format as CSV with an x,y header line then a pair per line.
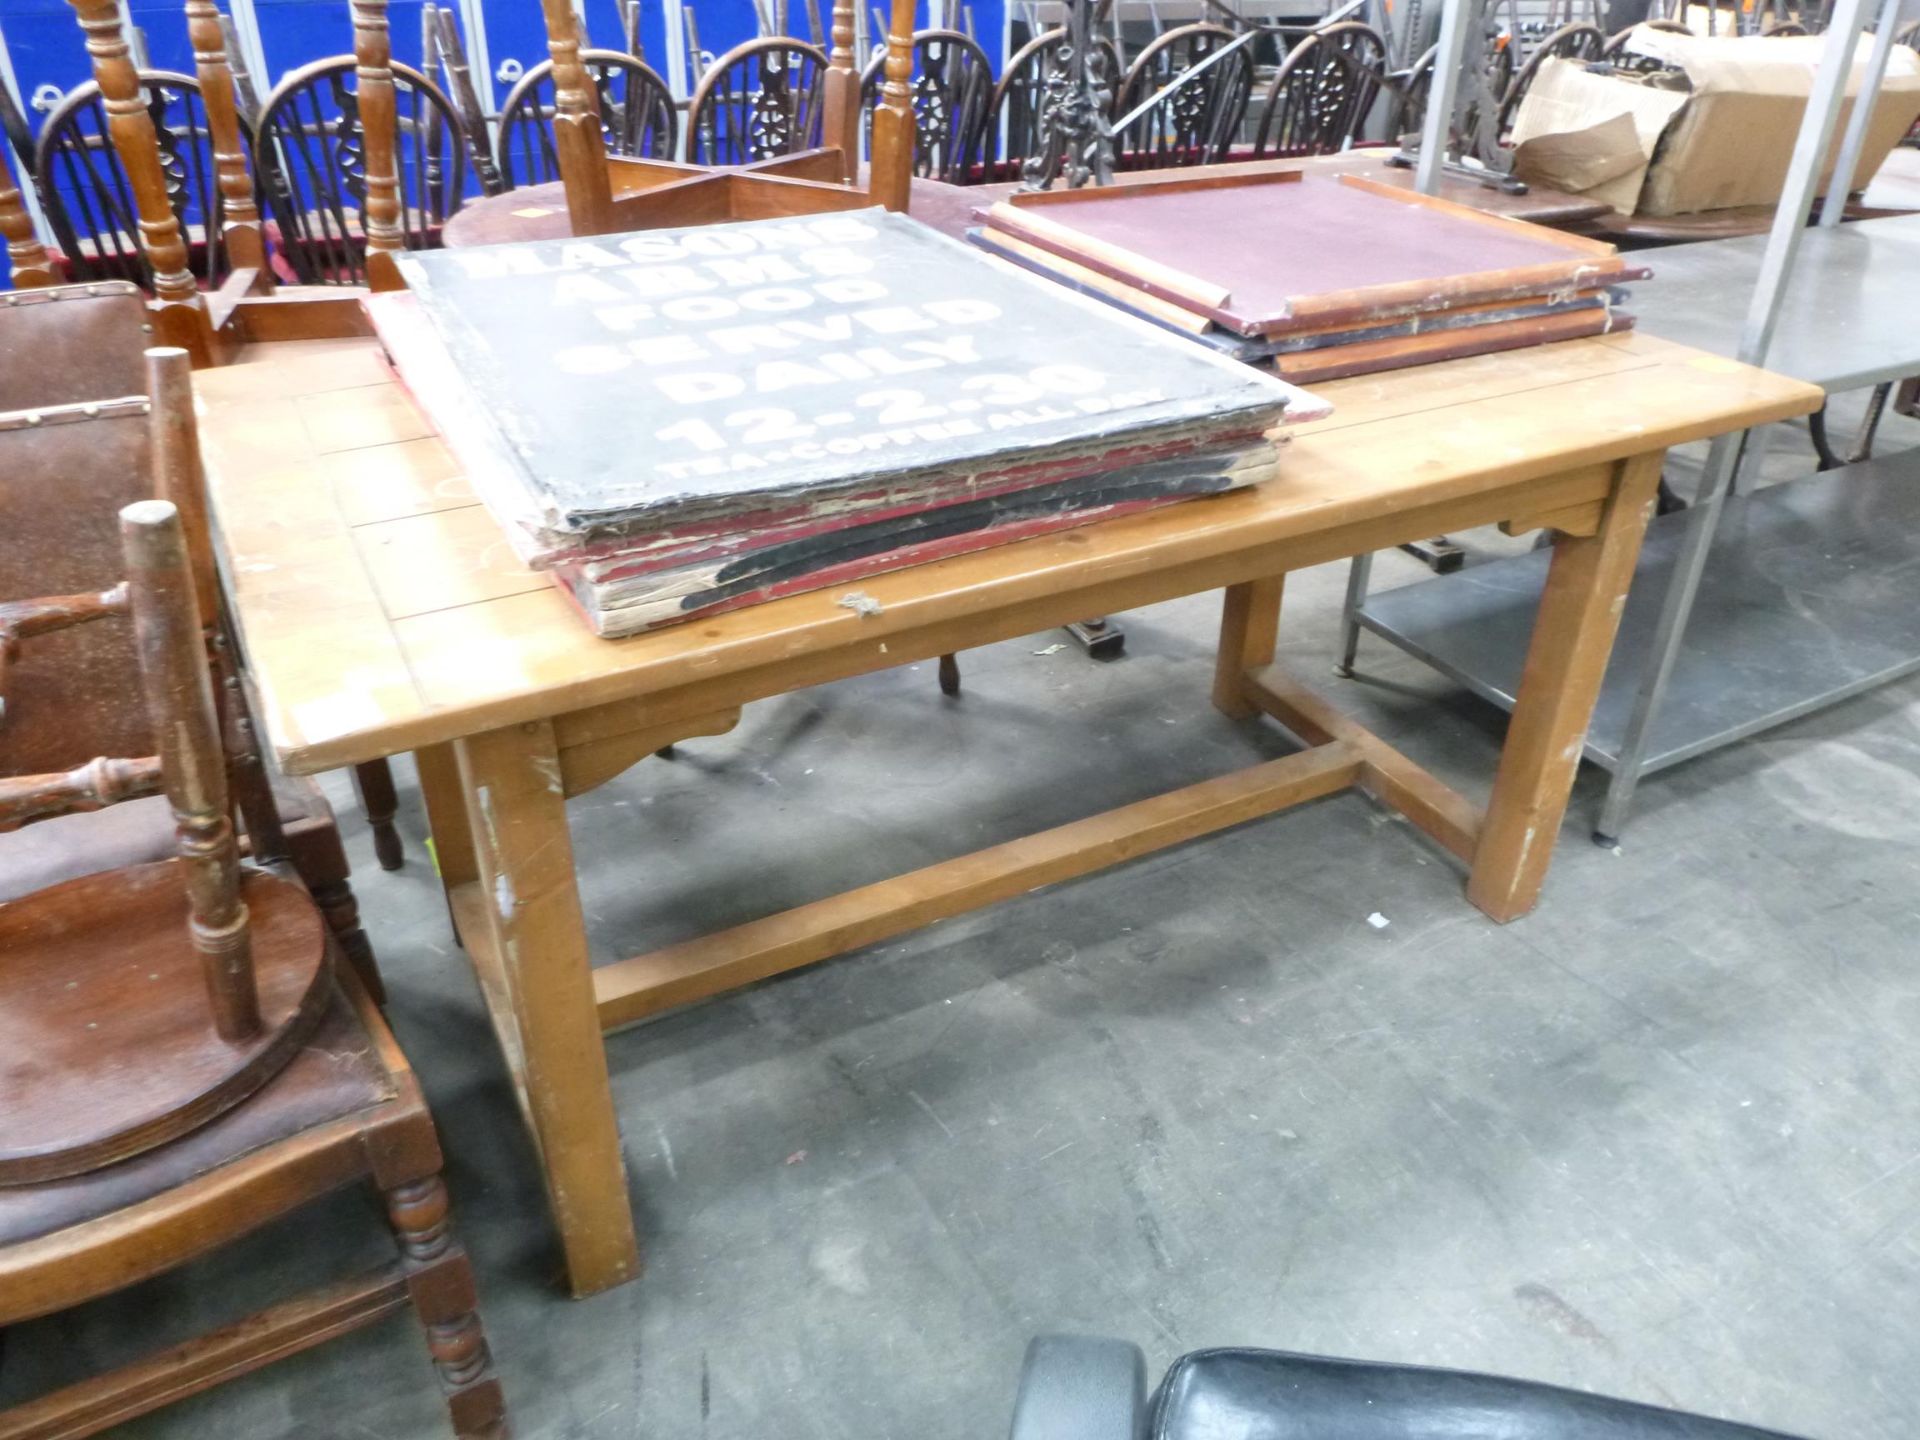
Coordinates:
x,y
1078,1388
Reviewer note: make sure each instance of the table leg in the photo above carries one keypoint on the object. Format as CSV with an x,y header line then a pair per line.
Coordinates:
x,y
439,770
1566,660
527,902
1249,629
1359,577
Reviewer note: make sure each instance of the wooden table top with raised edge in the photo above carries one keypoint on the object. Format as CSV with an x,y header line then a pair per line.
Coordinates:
x,y
382,610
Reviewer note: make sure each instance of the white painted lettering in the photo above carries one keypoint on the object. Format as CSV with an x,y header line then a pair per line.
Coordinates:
x,y
845,366
667,349
590,360
963,312
650,249
828,329
893,319
578,289
836,262
785,374
850,291
775,301
624,318
762,270
954,350
498,262
585,255
694,387
718,242
667,280
842,230
748,339
700,307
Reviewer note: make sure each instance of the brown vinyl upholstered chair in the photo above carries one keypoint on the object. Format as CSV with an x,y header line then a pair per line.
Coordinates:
x,y
60,486
181,1063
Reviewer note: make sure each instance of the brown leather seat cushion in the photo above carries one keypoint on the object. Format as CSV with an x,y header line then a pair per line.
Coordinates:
x,y
72,343
131,833
337,1073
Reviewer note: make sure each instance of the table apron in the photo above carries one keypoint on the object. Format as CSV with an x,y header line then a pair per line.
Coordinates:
x,y
661,712
616,704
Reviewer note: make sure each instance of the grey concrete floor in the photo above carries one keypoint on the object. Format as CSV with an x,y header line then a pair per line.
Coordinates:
x,y
1660,1139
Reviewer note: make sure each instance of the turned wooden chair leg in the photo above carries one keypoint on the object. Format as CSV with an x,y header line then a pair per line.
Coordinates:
x,y
440,1283
342,913
949,675
374,783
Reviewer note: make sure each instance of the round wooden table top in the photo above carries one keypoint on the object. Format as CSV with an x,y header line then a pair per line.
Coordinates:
x,y
539,212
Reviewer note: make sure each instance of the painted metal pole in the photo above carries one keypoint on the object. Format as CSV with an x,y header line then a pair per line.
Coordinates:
x,y
246,21
27,195
1835,207
1436,133
1436,140
1763,315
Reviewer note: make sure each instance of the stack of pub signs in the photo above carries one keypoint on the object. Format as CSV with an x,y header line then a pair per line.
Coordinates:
x,y
677,422
1318,276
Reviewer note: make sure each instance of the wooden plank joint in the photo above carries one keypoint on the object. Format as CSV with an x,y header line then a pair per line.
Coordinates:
x,y
1441,812
594,762
1581,519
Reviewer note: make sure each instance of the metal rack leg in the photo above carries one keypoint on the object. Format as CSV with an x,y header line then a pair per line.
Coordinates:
x,y
1703,518
1817,128
1753,457
1359,575
1870,423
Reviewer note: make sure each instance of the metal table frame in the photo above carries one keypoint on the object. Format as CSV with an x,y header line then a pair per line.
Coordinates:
x,y
1723,462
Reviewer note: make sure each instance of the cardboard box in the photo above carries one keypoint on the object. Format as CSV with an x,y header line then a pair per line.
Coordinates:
x,y
1718,133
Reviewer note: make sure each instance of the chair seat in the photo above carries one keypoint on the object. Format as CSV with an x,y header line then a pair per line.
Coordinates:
x,y
341,1080
338,1072
1273,1395
107,1042
72,343
131,833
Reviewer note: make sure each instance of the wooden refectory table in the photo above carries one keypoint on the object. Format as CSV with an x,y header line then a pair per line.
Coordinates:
x,y
381,611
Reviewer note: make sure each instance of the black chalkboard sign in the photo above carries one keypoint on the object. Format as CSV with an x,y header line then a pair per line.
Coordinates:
x,y
684,376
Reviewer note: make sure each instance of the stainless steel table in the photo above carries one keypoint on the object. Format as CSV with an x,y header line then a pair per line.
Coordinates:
x,y
1846,321
1807,594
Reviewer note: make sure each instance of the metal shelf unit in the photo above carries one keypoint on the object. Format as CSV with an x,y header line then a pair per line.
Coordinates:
x,y
1748,609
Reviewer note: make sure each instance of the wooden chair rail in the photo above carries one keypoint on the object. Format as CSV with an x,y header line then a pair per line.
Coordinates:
x,y
234,1350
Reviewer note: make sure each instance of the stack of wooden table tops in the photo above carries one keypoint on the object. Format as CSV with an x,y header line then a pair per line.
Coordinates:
x,y
1320,277
678,422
